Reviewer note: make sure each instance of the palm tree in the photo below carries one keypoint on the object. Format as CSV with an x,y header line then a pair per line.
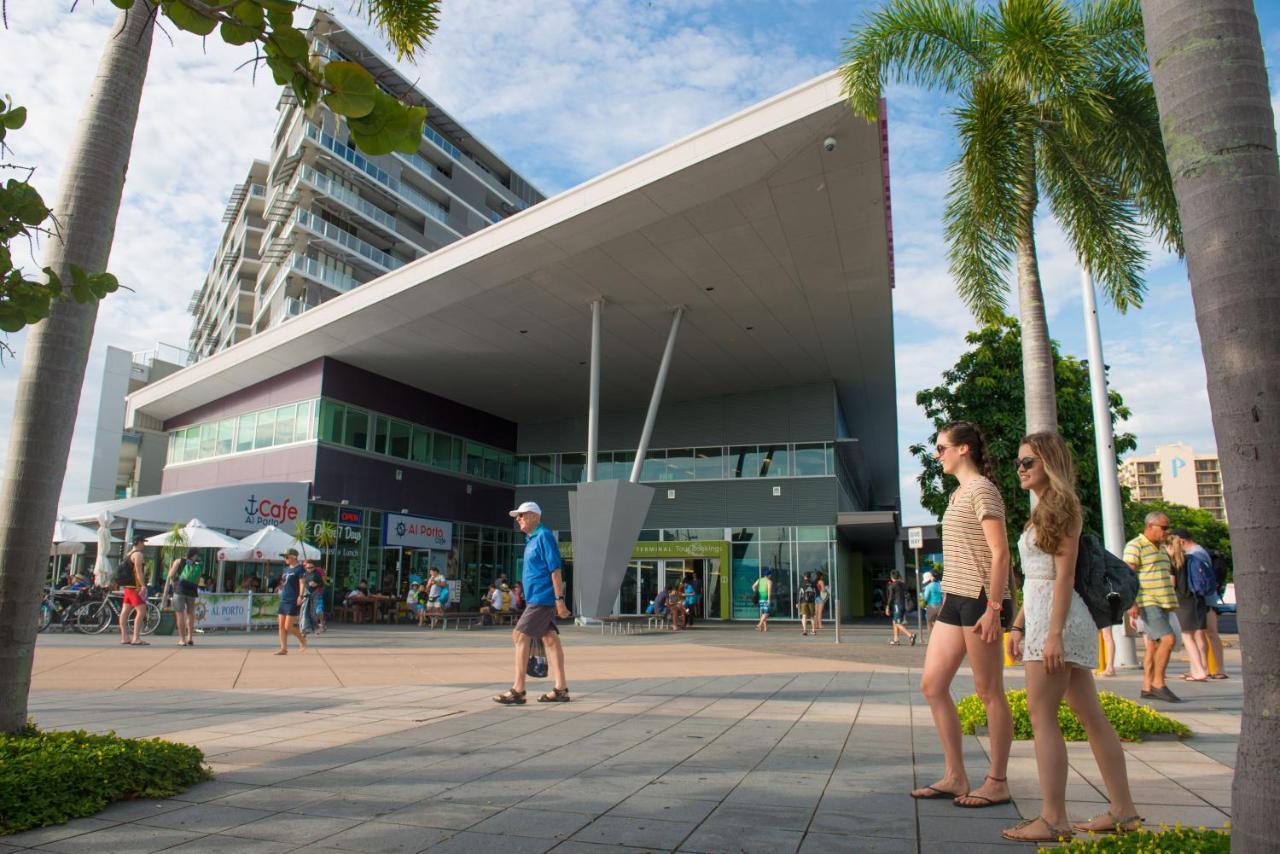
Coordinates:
x,y
326,537
57,348
1215,107
1055,103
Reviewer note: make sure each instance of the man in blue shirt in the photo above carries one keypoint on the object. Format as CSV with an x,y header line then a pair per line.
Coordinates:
x,y
544,597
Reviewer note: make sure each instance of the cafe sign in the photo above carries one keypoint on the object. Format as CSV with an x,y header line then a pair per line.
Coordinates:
x,y
416,532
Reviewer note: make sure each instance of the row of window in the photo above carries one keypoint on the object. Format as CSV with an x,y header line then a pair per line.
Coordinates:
x,y
814,459
266,428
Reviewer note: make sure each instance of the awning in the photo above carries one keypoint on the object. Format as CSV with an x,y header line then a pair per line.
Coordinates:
x,y
239,508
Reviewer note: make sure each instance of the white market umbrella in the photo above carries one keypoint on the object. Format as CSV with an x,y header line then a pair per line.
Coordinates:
x,y
66,532
101,569
268,545
199,537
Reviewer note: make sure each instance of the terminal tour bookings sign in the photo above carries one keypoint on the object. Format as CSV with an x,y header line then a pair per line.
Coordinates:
x,y
416,532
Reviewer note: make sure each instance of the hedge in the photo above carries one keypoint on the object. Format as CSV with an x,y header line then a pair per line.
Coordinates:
x,y
1131,720
1175,840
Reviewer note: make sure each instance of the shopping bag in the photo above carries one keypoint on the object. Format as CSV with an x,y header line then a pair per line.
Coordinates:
x,y
537,666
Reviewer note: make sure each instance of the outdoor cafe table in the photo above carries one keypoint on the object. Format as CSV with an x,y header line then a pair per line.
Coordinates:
x,y
374,602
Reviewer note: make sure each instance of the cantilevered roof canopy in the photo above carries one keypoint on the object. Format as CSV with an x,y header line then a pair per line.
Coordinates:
x,y
778,248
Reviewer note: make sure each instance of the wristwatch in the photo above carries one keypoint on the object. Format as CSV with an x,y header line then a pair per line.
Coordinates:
x,y
559,598
995,606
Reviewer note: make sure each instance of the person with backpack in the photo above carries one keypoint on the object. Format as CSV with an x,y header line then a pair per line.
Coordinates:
x,y
896,610
763,588
1193,580
1054,635
130,578
806,599
184,577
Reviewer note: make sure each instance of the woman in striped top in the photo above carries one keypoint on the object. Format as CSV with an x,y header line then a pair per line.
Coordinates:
x,y
975,607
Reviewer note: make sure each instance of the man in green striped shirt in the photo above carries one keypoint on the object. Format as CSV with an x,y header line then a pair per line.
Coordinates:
x,y
1157,600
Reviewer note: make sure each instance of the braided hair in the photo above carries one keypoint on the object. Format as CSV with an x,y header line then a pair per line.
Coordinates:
x,y
967,433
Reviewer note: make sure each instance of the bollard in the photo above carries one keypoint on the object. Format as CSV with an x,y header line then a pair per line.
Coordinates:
x,y
837,616
1102,653
1008,659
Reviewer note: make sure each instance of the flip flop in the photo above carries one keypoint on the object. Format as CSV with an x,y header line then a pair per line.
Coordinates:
x,y
987,802
139,643
1219,676
937,794
1189,678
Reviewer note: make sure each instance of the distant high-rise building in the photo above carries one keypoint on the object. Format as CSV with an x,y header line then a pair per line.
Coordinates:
x,y
1177,474
319,218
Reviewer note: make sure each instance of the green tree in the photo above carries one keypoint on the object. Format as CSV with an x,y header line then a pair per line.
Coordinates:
x,y
1210,78
57,347
1055,103
984,387
1203,527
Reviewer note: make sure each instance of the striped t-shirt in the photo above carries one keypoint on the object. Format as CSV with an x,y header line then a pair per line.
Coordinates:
x,y
1155,575
966,557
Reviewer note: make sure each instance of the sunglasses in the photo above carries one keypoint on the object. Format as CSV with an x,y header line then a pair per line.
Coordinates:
x,y
942,449
1025,464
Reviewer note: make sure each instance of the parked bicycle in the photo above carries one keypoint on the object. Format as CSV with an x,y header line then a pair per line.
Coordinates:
x,y
67,609
95,617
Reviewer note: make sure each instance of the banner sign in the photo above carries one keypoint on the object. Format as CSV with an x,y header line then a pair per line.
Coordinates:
x,y
264,609
416,532
222,610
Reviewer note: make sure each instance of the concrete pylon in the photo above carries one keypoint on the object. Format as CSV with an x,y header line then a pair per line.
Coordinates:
x,y
605,517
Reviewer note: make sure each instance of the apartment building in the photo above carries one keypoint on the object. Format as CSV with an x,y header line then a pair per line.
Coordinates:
x,y
1176,473
318,218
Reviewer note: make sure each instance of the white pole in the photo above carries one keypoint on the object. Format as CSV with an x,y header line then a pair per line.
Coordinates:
x,y
593,403
658,384
1108,479
919,608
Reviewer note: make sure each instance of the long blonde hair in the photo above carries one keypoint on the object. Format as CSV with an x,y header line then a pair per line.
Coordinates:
x,y
1057,512
1177,555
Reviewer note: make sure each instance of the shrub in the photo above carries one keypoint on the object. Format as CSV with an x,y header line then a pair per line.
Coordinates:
x,y
1131,720
1166,841
51,777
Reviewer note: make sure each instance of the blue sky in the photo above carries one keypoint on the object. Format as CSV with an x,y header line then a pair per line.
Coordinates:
x,y
565,94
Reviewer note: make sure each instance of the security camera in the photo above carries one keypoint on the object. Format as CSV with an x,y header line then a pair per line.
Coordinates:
x,y
829,144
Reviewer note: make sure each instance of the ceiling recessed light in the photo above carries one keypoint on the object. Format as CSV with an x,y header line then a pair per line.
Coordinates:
x,y
582,363
712,288
749,328
524,331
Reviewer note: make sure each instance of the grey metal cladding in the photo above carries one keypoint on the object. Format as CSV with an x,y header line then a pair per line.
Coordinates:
x,y
715,503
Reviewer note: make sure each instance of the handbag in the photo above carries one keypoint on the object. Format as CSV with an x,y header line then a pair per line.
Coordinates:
x,y
537,666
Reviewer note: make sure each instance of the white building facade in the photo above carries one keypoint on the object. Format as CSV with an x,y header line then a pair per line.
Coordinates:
x,y
1178,474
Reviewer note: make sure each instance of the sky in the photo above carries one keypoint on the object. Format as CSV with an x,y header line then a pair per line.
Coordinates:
x,y
563,94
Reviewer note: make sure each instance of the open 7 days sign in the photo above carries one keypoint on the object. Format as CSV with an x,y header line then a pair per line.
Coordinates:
x,y
416,532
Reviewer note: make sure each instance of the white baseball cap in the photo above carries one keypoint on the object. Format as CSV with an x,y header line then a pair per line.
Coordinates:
x,y
527,507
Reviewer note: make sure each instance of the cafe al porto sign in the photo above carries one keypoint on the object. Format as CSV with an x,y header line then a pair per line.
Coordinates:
x,y
416,532
260,512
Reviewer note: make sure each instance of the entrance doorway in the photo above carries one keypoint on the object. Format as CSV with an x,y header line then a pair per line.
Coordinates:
x,y
640,585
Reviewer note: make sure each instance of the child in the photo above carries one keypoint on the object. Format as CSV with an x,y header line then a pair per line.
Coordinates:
x,y
413,600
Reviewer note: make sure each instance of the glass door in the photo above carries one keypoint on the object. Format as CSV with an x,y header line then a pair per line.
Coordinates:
x,y
639,588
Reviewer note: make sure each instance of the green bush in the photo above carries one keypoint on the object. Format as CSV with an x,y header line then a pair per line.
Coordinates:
x,y
1131,720
1166,841
51,777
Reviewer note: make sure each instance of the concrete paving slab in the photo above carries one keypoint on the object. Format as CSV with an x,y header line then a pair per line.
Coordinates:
x,y
636,832
123,839
482,843
716,838
543,824
46,835
208,817
381,836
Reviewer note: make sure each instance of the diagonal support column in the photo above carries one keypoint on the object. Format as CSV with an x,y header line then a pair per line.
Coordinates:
x,y
658,385
593,400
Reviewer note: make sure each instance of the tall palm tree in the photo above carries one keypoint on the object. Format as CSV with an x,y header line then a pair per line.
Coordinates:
x,y
1215,107
57,348
1055,102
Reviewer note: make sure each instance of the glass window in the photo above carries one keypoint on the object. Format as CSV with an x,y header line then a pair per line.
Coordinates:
x,y
492,464
810,460
655,466
380,435
775,534
620,467
302,425
475,459
744,535
813,533
245,431
208,440
355,429
744,461
175,439
507,462
398,435
331,421
265,433
679,464
811,557
542,469
446,452
774,461
420,448
708,463
226,436
573,468
284,423
522,470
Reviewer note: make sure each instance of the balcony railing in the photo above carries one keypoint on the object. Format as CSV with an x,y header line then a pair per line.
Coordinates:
x,y
331,188
329,231
313,269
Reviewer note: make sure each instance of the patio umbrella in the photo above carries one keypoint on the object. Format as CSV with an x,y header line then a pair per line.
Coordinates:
x,y
70,538
268,545
199,537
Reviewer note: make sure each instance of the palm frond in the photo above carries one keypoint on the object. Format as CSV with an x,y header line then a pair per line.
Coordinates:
x,y
995,127
1039,48
1114,31
932,43
1100,220
407,25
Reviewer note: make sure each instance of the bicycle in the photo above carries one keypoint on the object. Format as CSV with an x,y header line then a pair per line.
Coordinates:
x,y
67,608
98,616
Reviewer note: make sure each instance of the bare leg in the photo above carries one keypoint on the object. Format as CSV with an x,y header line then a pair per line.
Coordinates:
x,y
282,628
1109,644
1215,642
555,659
291,624
124,622
1044,692
945,652
987,663
1082,697
139,617
819,606
1148,663
1194,655
522,643
1164,649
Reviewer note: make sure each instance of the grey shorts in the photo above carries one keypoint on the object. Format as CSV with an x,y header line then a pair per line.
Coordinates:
x,y
1156,620
537,620
184,603
1193,613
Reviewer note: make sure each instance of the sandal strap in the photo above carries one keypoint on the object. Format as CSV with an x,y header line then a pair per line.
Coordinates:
x,y
998,779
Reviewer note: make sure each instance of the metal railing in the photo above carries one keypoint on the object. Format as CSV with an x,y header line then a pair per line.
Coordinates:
x,y
332,189
329,231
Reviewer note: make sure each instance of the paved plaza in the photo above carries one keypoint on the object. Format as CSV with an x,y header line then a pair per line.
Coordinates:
x,y
714,740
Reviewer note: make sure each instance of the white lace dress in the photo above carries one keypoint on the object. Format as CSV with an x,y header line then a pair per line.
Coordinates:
x,y
1079,635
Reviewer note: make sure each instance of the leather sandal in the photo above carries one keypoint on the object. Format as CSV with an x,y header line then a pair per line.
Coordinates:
x,y
1114,825
510,697
1051,834
556,695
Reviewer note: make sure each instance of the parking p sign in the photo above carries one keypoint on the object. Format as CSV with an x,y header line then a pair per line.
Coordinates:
x,y
915,538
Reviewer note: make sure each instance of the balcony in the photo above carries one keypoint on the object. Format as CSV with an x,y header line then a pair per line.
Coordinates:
x,y
325,275
348,241
330,188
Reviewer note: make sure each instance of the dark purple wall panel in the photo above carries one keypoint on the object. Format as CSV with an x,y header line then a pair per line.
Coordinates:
x,y
371,482
300,383
296,463
361,388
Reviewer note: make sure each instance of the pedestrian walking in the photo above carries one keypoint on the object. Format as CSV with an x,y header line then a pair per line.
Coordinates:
x,y
806,599
897,610
184,577
131,579
819,605
1053,634
1193,580
763,588
316,584
1157,600
292,592
437,595
932,600
1214,600
976,604
544,596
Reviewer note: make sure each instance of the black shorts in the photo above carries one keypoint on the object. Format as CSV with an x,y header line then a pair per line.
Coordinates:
x,y
965,611
288,609
1193,613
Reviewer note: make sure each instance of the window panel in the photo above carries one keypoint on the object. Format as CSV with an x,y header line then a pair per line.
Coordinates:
x,y
446,452
679,464
492,464
245,431
573,468
355,429
226,436
303,423
398,438
775,461
285,416
208,440
810,460
744,461
379,435
655,466
420,451
708,463
620,467
542,469
475,459
331,421
266,429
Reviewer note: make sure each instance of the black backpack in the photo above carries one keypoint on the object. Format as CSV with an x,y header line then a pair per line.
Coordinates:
x,y
808,595
124,572
1106,583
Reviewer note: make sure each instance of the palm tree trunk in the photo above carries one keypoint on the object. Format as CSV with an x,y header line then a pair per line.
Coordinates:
x,y
1039,395
57,349
1215,113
